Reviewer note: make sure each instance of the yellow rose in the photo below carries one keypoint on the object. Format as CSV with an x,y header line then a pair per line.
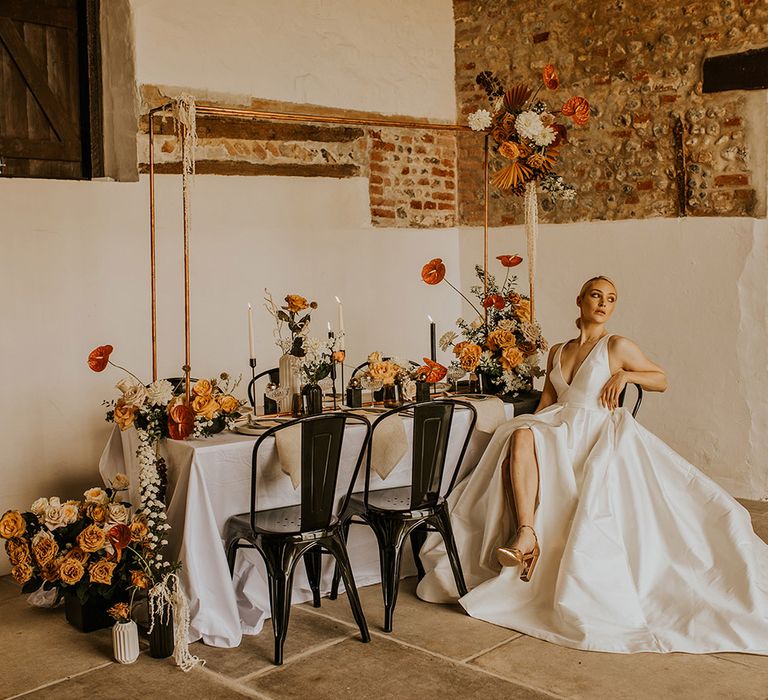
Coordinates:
x,y
77,554
50,572
12,524
470,357
202,387
228,403
124,415
21,573
92,539
44,547
296,303
97,512
374,357
139,530
511,358
101,571
205,406
523,309
18,551
500,338
140,579
383,371
71,571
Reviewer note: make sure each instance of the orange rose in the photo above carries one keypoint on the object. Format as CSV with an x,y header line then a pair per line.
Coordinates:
x,y
140,579
12,524
202,387
50,572
500,338
77,554
101,571
71,571
469,357
296,303
21,573
18,551
228,403
96,512
523,309
139,530
511,357
92,539
181,421
124,415
44,547
98,358
434,271
205,406
120,611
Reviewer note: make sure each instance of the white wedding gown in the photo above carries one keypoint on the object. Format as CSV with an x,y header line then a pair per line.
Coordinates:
x,y
640,551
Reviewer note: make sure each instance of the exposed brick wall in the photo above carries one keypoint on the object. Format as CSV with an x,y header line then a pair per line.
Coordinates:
x,y
411,172
638,64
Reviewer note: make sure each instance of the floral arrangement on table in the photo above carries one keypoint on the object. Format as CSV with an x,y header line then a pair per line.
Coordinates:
x,y
317,359
501,342
296,314
396,371
526,132
91,547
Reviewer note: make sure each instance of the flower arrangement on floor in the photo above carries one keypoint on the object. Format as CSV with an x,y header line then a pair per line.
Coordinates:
x,y
394,371
501,342
526,132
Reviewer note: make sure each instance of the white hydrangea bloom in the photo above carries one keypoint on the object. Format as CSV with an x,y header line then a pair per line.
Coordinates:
x,y
529,126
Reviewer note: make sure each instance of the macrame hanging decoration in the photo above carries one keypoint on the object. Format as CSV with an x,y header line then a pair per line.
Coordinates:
x,y
531,208
186,132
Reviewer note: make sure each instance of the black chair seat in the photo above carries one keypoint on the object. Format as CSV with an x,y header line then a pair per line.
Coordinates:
x,y
279,521
395,501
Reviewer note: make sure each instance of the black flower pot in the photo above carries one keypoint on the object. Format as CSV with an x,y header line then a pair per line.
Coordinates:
x,y
312,396
161,641
88,616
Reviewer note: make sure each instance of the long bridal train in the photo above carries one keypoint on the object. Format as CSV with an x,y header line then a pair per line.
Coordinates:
x,y
640,551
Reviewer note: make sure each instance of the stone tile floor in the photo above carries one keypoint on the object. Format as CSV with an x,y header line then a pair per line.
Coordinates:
x,y
435,652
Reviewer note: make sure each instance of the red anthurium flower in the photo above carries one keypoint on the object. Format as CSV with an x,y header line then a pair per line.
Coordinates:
x,y
509,260
495,300
98,359
181,421
119,537
434,271
578,109
561,134
549,75
433,371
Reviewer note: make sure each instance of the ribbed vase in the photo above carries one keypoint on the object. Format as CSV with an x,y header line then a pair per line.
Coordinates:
x,y
125,642
290,378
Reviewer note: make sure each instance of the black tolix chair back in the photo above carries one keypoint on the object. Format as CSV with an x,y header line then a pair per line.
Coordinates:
x,y
421,507
637,403
285,535
270,405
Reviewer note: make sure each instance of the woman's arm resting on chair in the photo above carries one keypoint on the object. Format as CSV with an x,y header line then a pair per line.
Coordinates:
x,y
633,367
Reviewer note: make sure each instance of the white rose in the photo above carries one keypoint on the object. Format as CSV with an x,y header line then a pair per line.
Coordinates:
x,y
160,392
39,506
409,389
134,393
54,518
69,513
54,501
96,495
120,482
118,514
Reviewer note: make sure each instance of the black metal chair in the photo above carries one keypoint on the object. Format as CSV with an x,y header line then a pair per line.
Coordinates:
x,y
416,509
637,403
284,535
270,405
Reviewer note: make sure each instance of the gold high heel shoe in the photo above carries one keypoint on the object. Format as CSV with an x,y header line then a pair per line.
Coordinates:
x,y
512,556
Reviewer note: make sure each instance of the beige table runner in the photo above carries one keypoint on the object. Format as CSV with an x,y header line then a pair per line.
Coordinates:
x,y
490,411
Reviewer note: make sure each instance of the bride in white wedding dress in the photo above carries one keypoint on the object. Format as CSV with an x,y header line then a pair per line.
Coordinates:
x,y
617,543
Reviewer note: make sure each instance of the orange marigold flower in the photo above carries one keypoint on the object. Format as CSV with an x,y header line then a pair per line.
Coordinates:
x,y
550,77
434,271
578,109
495,300
509,260
98,359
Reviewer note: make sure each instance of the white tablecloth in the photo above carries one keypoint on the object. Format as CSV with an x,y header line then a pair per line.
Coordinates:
x,y
209,480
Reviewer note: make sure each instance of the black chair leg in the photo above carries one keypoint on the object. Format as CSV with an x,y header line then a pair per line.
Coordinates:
x,y
232,547
442,523
337,547
390,533
334,594
280,562
418,537
313,564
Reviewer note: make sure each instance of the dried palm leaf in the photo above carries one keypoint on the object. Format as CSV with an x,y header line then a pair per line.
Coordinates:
x,y
512,176
516,96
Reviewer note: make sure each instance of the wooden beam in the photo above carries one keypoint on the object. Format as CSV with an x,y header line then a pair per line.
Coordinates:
x,y
240,167
737,71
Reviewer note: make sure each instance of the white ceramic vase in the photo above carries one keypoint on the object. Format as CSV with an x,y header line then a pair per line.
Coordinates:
x,y
290,377
125,642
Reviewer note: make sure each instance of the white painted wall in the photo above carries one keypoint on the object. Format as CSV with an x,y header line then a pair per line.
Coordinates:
x,y
692,294
394,57
74,268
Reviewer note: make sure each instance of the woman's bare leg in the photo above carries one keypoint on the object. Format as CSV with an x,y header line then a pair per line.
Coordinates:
x,y
524,474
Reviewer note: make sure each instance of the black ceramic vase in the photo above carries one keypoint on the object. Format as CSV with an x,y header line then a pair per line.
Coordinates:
x,y
161,641
312,396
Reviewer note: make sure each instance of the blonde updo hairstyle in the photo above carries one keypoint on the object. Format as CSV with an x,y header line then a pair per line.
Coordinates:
x,y
585,288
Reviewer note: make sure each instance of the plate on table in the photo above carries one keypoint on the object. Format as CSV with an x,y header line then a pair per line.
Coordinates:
x,y
366,409
257,426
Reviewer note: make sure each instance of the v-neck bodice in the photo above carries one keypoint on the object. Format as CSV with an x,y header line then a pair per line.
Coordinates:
x,y
588,380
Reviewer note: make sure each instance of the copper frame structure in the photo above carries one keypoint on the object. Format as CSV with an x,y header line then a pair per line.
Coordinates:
x,y
212,110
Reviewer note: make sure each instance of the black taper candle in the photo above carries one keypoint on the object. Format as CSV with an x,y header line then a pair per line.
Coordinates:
x,y
433,341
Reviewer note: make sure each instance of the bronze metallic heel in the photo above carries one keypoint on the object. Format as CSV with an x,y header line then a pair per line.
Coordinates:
x,y
512,556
